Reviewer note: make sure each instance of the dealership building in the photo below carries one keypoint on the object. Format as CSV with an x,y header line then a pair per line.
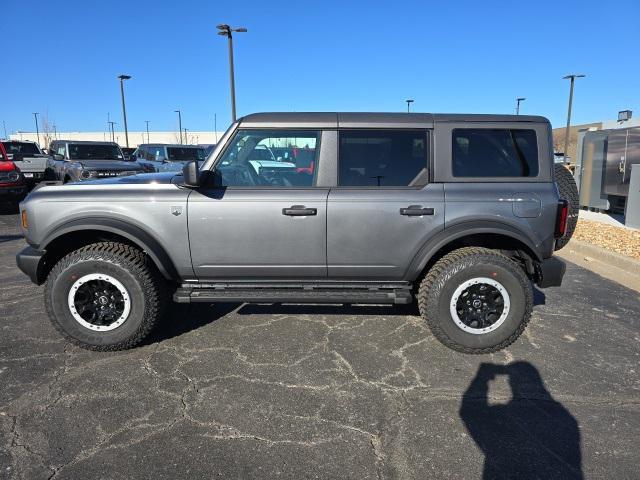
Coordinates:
x,y
135,138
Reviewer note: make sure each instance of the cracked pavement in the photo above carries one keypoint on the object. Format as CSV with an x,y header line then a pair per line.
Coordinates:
x,y
303,391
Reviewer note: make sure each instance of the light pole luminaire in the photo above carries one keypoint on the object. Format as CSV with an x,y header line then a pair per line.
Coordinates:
x,y
409,102
227,31
124,110
572,79
518,100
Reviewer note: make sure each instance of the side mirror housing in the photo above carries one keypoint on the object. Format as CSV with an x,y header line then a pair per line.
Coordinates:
x,y
191,174
57,156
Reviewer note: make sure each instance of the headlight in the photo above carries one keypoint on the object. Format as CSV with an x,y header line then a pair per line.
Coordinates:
x,y
86,174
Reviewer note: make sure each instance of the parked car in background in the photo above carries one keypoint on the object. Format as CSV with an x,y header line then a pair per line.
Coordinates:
x,y
13,187
127,152
160,157
28,158
74,161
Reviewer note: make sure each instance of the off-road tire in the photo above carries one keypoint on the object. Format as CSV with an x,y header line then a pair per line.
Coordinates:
x,y
437,288
569,191
128,265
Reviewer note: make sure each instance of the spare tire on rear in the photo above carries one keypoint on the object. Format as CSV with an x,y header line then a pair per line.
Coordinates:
x,y
568,191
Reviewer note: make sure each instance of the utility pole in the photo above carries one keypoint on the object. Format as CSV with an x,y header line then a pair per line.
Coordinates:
x,y
179,124
35,115
4,125
572,79
409,102
215,127
518,100
124,110
226,31
147,122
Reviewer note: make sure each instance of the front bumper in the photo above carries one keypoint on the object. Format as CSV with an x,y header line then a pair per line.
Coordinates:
x,y
12,192
550,272
29,261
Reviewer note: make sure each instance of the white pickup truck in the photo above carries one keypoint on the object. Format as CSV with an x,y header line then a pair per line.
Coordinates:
x,y
28,157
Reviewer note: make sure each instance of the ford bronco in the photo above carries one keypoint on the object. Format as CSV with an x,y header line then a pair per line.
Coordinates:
x,y
460,214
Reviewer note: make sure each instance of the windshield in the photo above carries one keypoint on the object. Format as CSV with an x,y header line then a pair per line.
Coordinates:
x,y
98,151
24,148
184,154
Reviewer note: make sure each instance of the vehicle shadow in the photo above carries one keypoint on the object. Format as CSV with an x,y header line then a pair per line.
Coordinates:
x,y
539,298
531,436
328,309
183,318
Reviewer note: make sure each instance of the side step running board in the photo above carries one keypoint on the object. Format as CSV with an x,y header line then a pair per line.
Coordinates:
x,y
290,294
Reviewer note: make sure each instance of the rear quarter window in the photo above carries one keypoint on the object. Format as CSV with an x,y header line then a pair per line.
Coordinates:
x,y
494,152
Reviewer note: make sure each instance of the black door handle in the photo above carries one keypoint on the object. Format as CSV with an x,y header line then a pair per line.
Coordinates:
x,y
416,210
299,211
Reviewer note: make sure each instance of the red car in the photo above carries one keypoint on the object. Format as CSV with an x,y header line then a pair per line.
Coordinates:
x,y
13,187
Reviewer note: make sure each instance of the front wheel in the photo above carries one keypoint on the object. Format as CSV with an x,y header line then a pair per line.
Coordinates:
x,y
105,296
476,300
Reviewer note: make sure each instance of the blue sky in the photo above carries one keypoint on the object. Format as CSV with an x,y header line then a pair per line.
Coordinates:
x,y
61,58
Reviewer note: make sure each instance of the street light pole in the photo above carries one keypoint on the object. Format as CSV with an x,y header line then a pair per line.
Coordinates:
x,y
35,115
215,127
124,110
4,125
226,31
572,79
179,124
518,100
409,102
113,132
147,122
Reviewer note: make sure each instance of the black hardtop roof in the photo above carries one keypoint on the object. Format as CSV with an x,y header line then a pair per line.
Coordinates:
x,y
375,119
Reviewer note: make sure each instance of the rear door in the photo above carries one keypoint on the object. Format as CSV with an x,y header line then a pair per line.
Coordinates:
x,y
383,209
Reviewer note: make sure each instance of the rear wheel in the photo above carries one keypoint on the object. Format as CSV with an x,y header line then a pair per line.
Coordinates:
x,y
476,300
569,191
105,296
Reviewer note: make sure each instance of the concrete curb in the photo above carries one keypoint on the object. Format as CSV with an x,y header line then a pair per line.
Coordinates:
x,y
619,268
628,264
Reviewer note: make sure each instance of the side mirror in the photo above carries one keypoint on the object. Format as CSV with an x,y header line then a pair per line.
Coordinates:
x,y
57,156
191,174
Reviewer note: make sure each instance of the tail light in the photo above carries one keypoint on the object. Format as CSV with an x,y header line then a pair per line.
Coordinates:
x,y
561,218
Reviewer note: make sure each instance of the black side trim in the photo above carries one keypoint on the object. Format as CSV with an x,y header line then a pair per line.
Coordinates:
x,y
28,261
302,293
550,272
460,230
132,232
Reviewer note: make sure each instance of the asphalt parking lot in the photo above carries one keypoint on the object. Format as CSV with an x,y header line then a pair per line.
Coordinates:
x,y
261,391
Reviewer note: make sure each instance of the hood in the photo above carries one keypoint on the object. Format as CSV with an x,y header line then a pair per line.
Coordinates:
x,y
141,178
110,165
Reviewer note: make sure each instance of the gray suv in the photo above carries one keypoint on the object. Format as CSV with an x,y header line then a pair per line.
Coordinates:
x,y
458,213
75,161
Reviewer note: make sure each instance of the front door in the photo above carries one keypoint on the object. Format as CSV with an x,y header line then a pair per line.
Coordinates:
x,y
383,209
267,220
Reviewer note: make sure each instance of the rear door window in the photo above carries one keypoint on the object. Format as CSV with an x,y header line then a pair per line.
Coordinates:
x,y
494,152
382,158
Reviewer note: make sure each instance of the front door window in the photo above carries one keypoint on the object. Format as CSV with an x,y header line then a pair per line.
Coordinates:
x,y
270,158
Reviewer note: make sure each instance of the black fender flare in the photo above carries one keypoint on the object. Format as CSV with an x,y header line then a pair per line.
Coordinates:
x,y
464,229
131,232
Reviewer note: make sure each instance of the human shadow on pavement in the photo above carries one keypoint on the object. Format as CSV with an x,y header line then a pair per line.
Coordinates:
x,y
531,436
